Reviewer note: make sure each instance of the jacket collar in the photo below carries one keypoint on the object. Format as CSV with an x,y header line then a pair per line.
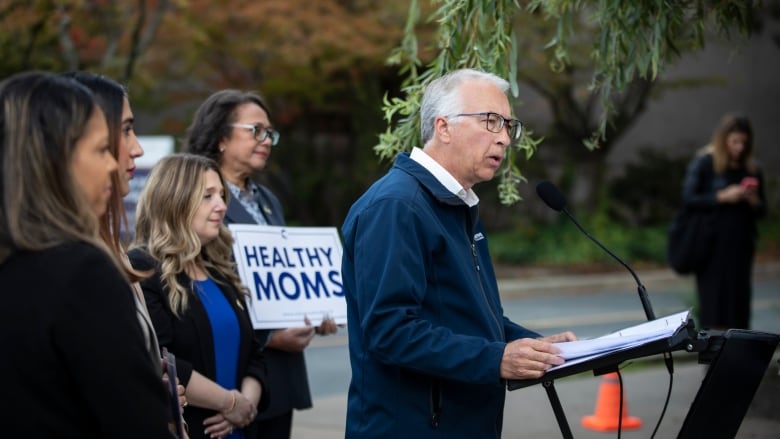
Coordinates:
x,y
427,180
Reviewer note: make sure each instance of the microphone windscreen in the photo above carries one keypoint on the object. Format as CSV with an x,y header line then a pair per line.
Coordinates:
x,y
551,196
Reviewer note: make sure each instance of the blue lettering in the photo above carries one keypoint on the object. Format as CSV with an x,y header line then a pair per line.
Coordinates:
x,y
264,255
287,259
335,278
265,289
327,251
313,256
277,258
298,251
310,287
250,256
296,292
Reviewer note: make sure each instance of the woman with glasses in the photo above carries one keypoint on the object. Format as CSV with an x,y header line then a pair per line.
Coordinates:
x,y
234,128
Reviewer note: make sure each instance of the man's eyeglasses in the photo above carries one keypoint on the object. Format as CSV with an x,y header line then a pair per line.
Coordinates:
x,y
495,122
259,132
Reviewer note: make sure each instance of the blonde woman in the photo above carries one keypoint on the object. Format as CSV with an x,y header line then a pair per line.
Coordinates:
x,y
75,363
195,298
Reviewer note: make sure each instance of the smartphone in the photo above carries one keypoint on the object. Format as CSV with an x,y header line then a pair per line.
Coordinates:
x,y
749,183
173,393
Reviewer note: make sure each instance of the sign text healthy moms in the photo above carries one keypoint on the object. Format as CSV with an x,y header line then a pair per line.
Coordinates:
x,y
291,273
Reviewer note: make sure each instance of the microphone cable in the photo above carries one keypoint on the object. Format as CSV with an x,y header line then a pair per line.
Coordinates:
x,y
670,368
555,200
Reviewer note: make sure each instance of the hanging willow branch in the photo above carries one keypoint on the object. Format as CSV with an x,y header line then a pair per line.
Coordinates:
x,y
635,39
471,34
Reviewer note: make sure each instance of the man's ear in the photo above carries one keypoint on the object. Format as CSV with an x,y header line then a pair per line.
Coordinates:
x,y
441,125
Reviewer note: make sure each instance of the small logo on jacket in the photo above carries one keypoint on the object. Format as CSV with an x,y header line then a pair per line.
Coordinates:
x,y
479,237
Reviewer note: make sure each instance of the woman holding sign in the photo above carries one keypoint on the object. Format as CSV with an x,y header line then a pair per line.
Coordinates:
x,y
233,128
195,298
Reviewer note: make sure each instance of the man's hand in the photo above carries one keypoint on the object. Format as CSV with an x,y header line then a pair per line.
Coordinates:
x,y
560,337
529,358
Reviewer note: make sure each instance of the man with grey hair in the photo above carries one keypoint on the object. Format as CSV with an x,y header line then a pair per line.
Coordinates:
x,y
430,348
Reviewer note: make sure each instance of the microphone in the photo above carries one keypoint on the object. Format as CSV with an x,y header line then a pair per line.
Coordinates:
x,y
555,200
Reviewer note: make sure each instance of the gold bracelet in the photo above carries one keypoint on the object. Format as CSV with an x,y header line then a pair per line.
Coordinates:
x,y
232,404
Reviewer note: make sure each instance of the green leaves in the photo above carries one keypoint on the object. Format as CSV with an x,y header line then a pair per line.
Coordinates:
x,y
631,41
639,39
471,34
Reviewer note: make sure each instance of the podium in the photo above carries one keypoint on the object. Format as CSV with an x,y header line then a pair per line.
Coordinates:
x,y
737,361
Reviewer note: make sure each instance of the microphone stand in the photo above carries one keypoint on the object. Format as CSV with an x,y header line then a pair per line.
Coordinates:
x,y
641,290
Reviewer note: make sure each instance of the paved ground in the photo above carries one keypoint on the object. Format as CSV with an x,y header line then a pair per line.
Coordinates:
x,y
528,413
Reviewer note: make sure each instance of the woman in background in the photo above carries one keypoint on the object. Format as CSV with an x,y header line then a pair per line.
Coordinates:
x,y
725,180
233,128
75,363
195,298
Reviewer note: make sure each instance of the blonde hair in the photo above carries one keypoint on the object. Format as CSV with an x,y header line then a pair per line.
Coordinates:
x,y
42,118
731,123
166,208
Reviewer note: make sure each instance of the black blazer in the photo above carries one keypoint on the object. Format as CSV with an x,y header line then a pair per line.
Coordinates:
x,y
287,377
190,338
269,205
74,361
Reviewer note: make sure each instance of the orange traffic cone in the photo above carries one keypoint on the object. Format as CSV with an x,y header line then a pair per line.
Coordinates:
x,y
608,406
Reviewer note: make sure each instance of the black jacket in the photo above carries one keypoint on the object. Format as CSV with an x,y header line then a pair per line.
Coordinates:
x,y
74,361
190,338
288,379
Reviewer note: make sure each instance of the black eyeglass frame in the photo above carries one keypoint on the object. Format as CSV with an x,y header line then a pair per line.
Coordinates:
x,y
510,124
260,132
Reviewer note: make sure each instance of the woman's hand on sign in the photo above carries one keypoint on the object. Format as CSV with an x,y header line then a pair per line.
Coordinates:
x,y
292,339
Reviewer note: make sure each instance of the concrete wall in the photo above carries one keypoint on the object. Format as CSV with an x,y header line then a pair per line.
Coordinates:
x,y
683,120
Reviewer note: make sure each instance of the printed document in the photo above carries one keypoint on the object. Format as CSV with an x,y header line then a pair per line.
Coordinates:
x,y
579,351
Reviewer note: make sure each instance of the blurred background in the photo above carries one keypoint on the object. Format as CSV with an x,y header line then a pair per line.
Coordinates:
x,y
322,67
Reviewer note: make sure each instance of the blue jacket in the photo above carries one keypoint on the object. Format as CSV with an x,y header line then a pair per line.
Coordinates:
x,y
426,326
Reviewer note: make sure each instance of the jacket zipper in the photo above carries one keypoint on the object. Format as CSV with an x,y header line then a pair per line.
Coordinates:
x,y
482,287
435,403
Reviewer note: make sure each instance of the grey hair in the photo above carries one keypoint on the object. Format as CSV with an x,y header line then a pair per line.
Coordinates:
x,y
442,96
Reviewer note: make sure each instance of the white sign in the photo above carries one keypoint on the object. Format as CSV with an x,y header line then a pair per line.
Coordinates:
x,y
291,273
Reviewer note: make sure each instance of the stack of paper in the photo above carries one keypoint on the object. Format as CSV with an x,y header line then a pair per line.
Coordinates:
x,y
583,350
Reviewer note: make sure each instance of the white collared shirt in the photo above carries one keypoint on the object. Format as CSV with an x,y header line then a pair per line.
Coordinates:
x,y
444,177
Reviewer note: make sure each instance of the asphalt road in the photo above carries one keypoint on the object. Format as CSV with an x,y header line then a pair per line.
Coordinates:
x,y
590,305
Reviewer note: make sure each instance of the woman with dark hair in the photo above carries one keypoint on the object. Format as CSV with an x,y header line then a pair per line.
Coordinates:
x,y
123,143
725,181
124,146
75,363
234,129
